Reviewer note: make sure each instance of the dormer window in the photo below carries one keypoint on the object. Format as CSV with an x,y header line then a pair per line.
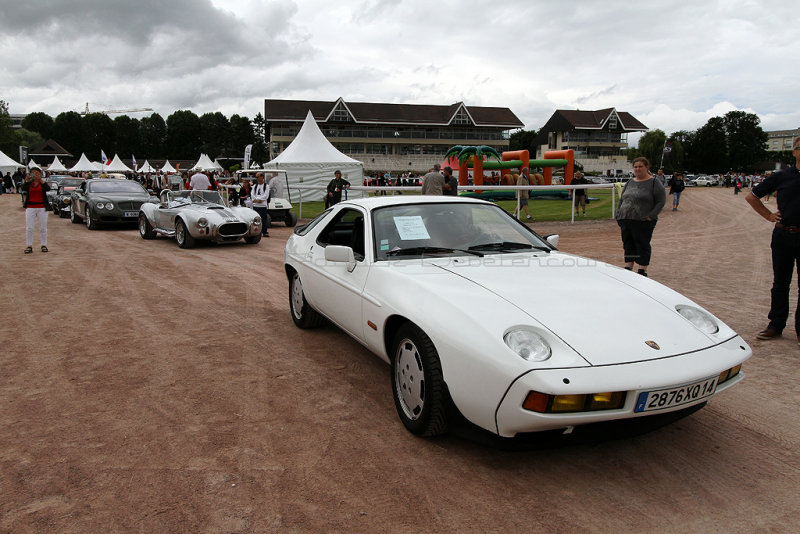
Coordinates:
x,y
461,117
340,114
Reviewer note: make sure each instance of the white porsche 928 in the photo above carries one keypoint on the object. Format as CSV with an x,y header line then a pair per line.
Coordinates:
x,y
476,312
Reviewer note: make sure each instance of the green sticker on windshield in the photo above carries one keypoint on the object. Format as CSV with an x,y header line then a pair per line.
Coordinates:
x,y
384,244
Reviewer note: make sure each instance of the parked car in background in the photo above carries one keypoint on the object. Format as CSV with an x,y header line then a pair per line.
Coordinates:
x,y
467,305
705,181
61,197
689,180
102,201
195,215
279,207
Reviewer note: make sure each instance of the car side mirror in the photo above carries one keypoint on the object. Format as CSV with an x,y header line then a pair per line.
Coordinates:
x,y
340,254
552,239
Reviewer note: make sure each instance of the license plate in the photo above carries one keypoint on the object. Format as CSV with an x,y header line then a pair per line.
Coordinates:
x,y
662,399
130,214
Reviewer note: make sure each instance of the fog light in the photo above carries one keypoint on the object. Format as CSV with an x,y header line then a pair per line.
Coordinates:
x,y
729,373
606,401
568,403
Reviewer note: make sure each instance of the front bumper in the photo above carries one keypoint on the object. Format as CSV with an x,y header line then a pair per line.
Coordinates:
x,y
511,418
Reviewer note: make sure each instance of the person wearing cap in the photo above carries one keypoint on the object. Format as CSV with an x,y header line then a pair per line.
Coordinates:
x,y
433,182
335,188
450,187
785,242
35,191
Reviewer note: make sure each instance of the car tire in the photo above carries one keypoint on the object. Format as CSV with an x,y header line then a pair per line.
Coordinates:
x,y
55,211
290,219
87,218
418,386
182,236
303,315
73,217
145,228
252,239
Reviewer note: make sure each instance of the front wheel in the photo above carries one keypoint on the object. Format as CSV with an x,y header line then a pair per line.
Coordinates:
x,y
417,382
145,228
182,235
74,217
87,218
291,219
303,315
252,239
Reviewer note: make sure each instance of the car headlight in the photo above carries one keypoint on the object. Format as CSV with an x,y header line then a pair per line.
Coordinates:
x,y
256,221
202,222
99,205
527,344
109,206
701,320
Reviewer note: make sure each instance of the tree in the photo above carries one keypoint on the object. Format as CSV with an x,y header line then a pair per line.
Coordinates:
x,y
214,132
523,140
747,142
127,135
240,135
39,122
8,139
183,135
651,146
260,152
67,132
153,136
98,134
710,148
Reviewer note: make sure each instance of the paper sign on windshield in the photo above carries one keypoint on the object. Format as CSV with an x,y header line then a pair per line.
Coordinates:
x,y
411,227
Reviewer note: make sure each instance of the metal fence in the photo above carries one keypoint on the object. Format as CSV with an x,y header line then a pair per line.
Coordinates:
x,y
365,190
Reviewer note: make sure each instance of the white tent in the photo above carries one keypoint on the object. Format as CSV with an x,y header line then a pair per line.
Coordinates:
x,y
56,166
312,158
8,165
83,165
217,166
145,168
168,168
204,164
116,165
32,164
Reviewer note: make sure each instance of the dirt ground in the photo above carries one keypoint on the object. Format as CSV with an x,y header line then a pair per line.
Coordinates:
x,y
144,388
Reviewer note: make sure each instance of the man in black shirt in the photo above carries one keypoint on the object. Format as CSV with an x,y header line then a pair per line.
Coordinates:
x,y
785,240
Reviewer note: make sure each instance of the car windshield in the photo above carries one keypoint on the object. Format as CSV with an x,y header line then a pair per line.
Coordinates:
x,y
416,230
67,183
116,186
197,196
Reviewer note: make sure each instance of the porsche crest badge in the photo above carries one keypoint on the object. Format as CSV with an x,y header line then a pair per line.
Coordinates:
x,y
652,344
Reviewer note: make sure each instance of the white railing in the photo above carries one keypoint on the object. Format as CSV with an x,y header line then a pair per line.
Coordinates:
x,y
369,189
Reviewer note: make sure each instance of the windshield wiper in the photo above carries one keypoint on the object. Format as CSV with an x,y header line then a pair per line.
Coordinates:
x,y
507,245
429,250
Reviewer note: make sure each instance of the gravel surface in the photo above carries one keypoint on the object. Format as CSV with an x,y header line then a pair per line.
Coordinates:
x,y
145,388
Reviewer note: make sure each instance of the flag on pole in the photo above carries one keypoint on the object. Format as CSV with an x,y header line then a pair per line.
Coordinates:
x,y
667,148
133,160
247,150
103,157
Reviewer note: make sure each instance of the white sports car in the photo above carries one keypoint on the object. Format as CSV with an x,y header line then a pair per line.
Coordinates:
x,y
474,311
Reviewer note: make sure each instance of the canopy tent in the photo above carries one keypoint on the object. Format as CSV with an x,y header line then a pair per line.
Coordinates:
x,y
145,168
204,164
218,166
116,165
8,165
32,164
56,166
312,158
168,168
83,165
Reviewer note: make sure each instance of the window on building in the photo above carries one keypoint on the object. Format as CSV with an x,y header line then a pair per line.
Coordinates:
x,y
461,117
340,114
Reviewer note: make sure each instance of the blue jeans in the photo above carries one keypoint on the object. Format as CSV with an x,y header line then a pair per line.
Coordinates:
x,y
785,255
676,197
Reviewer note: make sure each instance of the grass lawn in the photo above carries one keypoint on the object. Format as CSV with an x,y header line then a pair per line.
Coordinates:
x,y
599,207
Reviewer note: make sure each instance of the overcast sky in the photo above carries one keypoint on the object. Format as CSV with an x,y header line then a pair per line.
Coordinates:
x,y
672,64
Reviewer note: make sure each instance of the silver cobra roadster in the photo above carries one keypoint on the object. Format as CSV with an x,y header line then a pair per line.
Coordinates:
x,y
189,216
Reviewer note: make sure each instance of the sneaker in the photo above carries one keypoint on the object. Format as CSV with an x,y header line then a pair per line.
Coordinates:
x,y
642,272
529,216
768,333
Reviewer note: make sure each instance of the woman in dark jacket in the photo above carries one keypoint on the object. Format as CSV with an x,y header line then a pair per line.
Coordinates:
x,y
641,201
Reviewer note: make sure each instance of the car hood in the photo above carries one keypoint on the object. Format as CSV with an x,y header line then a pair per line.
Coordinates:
x,y
606,314
116,197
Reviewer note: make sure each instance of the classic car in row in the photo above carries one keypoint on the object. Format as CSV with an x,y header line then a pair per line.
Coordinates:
x,y
102,201
476,312
61,197
194,215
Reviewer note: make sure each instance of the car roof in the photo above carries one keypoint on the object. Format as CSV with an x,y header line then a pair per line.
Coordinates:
x,y
400,200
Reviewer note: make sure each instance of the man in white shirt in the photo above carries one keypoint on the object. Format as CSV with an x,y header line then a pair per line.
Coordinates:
x,y
199,181
259,194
